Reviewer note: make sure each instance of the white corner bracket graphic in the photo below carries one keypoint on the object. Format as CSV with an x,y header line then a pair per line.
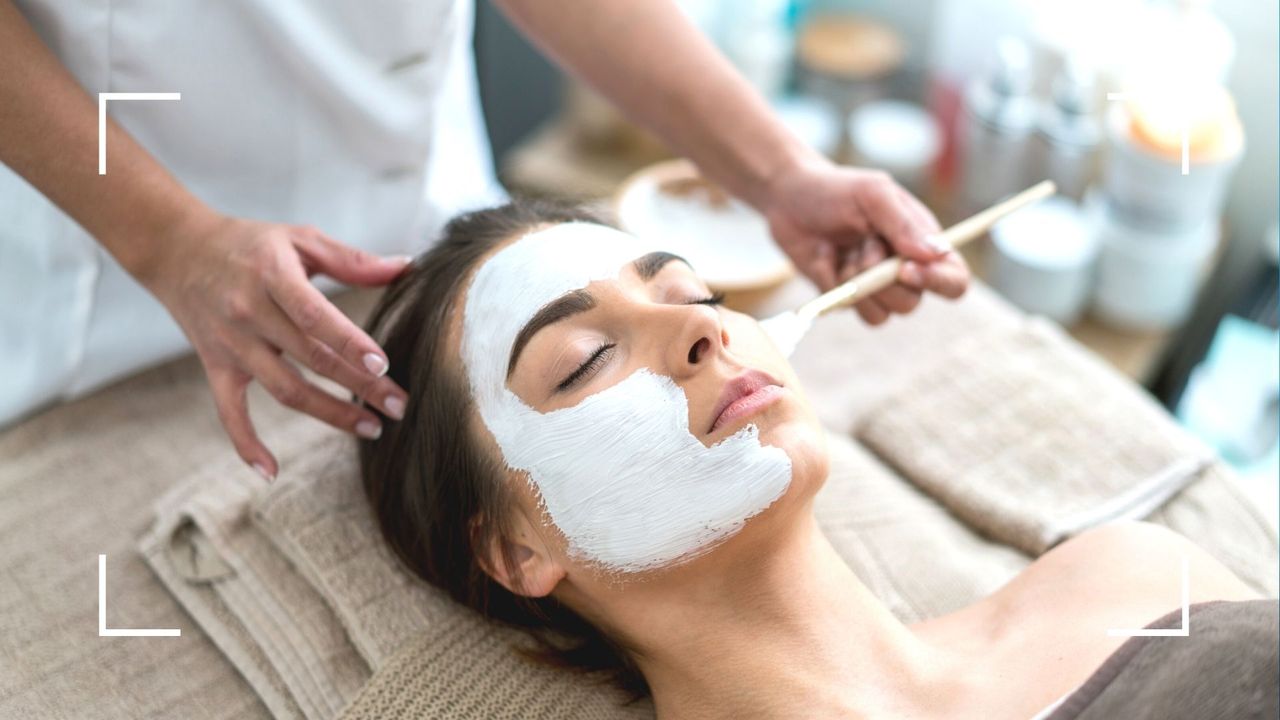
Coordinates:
x,y
103,630
1184,631
102,117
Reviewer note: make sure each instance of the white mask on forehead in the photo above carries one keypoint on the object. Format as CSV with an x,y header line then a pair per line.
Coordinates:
x,y
619,473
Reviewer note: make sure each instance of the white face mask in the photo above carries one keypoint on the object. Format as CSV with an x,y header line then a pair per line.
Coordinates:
x,y
619,473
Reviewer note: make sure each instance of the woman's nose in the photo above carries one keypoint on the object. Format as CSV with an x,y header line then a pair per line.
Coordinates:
x,y
699,338
699,350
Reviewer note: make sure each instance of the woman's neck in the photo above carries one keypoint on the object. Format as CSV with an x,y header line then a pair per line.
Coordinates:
x,y
798,628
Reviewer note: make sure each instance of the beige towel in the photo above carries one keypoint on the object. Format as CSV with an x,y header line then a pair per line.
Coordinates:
x,y
263,614
320,520
460,671
1031,440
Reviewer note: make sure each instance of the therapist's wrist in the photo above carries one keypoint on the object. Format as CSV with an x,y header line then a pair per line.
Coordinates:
x,y
790,158
793,171
151,256
745,154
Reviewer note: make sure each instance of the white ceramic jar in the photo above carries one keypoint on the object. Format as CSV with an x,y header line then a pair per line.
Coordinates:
x,y
1148,279
899,137
1043,259
1150,187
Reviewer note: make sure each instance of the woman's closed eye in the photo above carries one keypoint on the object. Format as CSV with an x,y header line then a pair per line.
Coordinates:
x,y
716,298
601,354
590,366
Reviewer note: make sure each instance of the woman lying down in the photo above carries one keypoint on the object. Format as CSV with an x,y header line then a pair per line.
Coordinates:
x,y
601,454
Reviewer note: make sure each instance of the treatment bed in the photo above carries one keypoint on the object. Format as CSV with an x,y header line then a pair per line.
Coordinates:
x,y
966,439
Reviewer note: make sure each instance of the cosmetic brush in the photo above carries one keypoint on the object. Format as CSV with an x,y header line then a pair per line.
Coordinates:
x,y
788,328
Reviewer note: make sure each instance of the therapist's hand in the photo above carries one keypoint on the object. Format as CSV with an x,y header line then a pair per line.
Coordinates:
x,y
835,222
831,221
239,290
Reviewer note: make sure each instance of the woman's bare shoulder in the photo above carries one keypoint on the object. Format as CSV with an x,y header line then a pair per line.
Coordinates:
x,y
1122,575
1047,628
1130,564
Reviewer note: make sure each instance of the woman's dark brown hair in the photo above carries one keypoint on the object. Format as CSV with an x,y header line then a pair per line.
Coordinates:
x,y
428,476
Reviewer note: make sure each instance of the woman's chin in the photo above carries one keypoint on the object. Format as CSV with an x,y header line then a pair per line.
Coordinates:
x,y
797,434
805,444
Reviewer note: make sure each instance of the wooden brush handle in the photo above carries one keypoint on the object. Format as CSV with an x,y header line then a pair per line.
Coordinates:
x,y
884,273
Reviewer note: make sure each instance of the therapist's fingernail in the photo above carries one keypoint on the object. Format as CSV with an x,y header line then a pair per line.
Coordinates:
x,y
938,243
395,408
375,363
400,259
262,470
369,429
910,275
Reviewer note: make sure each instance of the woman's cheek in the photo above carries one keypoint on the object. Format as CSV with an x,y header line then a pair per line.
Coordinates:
x,y
748,341
744,332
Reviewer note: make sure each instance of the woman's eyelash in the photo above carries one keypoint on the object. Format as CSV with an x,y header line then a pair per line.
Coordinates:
x,y
714,299
597,358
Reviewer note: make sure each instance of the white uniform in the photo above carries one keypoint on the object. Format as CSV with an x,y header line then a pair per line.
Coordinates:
x,y
360,118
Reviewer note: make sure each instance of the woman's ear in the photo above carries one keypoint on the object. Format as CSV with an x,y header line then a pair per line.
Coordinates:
x,y
520,562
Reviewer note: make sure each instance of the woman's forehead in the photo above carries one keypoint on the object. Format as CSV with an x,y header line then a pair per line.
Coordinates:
x,y
558,259
522,277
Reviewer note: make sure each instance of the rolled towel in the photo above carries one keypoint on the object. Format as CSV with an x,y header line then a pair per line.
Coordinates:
x,y
319,519
264,615
1030,439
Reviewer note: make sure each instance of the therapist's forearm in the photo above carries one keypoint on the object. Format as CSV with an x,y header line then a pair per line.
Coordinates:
x,y
661,71
49,136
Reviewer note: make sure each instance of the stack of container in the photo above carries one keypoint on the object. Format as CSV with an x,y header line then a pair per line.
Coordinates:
x,y
1156,226
1168,141
1174,141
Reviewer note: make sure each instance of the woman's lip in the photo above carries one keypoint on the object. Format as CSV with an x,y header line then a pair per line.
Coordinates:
x,y
744,396
748,405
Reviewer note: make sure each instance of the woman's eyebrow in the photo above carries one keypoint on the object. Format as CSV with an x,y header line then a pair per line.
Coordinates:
x,y
648,265
565,306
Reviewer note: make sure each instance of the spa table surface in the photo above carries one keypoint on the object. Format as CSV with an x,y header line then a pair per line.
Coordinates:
x,y
79,479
